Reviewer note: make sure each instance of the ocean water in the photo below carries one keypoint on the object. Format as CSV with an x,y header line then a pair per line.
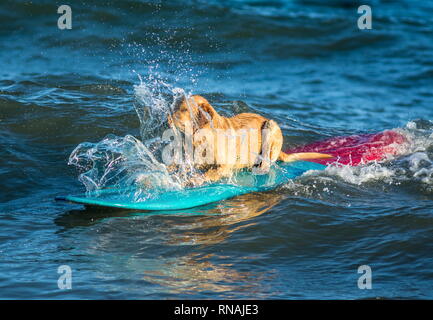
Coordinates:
x,y
303,63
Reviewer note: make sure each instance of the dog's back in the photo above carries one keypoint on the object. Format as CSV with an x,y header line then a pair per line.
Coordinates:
x,y
246,121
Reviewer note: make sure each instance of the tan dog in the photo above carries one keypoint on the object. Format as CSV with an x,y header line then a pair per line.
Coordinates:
x,y
197,112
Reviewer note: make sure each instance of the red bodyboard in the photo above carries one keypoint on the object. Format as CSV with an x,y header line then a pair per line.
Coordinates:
x,y
356,149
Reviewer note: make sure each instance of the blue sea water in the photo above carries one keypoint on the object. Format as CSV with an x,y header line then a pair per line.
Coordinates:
x,y
303,63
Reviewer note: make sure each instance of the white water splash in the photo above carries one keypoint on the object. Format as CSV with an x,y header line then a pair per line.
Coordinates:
x,y
154,101
413,162
362,174
125,162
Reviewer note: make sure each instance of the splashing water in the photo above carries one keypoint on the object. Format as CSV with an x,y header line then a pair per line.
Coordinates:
x,y
127,162
154,101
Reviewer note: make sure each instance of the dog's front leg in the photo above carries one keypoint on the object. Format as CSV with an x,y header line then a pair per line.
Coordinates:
x,y
172,167
218,173
211,175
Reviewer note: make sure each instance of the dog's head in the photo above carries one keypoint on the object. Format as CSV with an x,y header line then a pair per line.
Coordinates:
x,y
194,111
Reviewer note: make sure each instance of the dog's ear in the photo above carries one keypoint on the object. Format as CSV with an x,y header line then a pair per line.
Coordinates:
x,y
205,111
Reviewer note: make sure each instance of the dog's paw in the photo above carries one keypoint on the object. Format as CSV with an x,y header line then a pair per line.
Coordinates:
x,y
172,168
144,181
194,182
260,171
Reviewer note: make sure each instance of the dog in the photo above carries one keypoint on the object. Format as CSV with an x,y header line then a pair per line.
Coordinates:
x,y
197,114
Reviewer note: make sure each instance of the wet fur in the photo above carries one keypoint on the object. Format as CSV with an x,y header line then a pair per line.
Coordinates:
x,y
197,110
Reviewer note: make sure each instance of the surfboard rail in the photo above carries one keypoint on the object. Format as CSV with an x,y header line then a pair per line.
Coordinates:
x,y
242,183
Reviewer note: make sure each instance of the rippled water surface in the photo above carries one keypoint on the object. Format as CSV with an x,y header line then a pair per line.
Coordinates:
x,y
303,63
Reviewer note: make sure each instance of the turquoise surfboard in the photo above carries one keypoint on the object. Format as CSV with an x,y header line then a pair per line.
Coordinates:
x,y
242,183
